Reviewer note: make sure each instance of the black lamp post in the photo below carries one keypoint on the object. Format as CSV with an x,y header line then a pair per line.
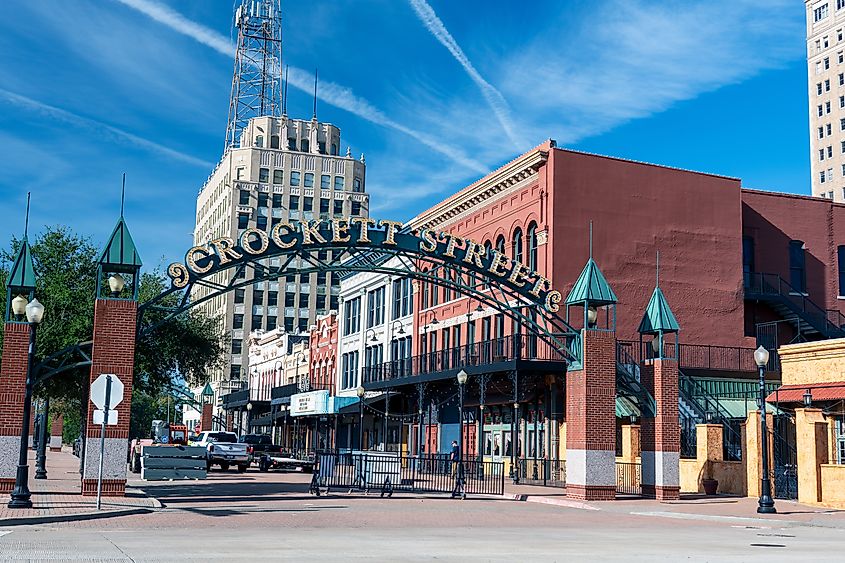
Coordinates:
x,y
41,456
20,497
460,488
360,391
765,505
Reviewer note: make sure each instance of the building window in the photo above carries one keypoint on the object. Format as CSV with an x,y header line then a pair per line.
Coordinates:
x,y
237,346
334,149
827,63
324,206
338,204
325,181
373,358
356,185
425,291
259,141
291,143
821,154
402,302
261,223
820,13
827,84
821,132
516,245
532,246
263,174
243,220
274,141
839,433
294,203
263,200
820,109
349,370
277,201
305,146
819,89
309,177
830,193
356,208
338,182
839,5
797,269
352,316
237,321
243,198
278,176
500,244
829,129
294,178
747,258
821,177
375,307
308,204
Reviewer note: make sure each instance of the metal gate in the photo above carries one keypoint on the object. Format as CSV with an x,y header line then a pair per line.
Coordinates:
x,y
784,457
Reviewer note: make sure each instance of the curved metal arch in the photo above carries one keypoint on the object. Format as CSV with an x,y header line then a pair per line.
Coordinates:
x,y
549,327
69,358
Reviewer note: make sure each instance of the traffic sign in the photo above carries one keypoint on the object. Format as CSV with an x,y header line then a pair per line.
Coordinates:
x,y
98,417
98,391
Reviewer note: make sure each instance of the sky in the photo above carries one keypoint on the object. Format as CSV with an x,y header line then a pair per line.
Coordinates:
x,y
435,93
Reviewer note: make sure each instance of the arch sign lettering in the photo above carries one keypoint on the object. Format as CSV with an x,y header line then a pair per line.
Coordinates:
x,y
365,233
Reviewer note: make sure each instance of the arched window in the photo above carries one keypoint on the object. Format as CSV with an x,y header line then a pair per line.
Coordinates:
x,y
426,292
488,248
500,244
435,292
516,245
532,246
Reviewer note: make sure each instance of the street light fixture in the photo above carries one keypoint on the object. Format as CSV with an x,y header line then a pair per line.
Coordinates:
x,y
116,284
21,497
399,332
765,504
360,391
373,339
808,398
460,488
592,316
19,306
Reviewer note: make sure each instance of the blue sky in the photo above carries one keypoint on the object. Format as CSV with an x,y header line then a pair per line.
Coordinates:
x,y
434,93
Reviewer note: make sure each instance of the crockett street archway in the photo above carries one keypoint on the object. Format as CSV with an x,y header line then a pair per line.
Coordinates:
x,y
434,257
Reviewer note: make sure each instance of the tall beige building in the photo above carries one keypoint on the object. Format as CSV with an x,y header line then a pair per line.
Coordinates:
x,y
282,170
826,69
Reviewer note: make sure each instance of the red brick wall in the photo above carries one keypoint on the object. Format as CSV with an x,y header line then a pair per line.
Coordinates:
x,y
207,417
591,395
57,427
13,385
323,353
661,433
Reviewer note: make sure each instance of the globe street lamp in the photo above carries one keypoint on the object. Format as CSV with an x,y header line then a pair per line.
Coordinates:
x,y
21,496
460,488
116,284
248,418
360,391
765,504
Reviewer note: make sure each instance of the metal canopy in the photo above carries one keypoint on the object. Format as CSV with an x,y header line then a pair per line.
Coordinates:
x,y
658,316
120,254
591,287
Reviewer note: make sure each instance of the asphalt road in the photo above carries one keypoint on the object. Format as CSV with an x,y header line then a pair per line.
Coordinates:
x,y
271,517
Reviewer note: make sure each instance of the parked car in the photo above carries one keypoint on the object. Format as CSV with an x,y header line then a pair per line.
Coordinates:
x,y
223,449
259,445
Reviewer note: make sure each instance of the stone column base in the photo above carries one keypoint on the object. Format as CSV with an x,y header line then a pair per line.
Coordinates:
x,y
661,493
591,492
111,487
6,485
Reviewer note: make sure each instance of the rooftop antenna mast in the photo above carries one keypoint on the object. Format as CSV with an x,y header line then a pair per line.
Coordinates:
x,y
285,94
315,94
257,77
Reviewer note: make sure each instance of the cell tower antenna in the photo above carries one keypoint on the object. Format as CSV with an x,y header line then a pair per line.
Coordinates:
x,y
257,76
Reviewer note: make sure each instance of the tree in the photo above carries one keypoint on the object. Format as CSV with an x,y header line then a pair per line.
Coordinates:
x,y
186,348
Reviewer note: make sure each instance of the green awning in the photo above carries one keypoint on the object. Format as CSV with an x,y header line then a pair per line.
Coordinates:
x,y
591,287
658,316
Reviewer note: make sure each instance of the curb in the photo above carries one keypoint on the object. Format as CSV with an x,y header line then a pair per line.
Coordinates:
x,y
79,517
552,501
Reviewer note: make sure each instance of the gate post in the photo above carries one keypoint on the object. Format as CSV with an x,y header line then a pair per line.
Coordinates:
x,y
113,351
660,433
20,288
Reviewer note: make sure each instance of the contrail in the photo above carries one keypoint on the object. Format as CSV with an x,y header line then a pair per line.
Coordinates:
x,y
334,94
494,98
115,133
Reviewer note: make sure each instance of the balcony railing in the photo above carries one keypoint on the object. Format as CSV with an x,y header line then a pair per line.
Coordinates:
x,y
702,356
489,352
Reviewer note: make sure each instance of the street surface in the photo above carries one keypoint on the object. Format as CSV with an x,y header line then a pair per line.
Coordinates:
x,y
271,516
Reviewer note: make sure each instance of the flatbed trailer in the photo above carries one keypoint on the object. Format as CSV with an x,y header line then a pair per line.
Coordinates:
x,y
285,463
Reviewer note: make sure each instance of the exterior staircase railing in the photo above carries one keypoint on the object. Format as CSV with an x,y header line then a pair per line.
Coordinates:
x,y
829,322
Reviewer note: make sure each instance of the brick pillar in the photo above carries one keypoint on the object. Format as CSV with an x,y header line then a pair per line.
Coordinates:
x,y
12,393
56,430
113,352
811,445
591,420
230,421
661,435
205,420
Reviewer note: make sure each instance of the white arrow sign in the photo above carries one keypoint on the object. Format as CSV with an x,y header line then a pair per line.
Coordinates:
x,y
98,417
98,391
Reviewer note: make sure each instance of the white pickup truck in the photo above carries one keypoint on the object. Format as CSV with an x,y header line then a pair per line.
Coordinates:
x,y
224,450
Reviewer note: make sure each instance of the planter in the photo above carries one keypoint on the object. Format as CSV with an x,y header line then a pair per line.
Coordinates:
x,y
710,486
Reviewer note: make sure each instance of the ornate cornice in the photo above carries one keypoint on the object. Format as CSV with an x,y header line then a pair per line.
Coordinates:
x,y
514,174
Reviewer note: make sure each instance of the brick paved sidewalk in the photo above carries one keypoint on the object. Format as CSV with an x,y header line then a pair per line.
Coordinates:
x,y
58,497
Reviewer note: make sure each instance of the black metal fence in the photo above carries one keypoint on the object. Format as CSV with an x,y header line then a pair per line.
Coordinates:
x,y
390,473
546,472
628,478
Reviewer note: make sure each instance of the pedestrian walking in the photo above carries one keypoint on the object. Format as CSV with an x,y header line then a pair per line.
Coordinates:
x,y
455,457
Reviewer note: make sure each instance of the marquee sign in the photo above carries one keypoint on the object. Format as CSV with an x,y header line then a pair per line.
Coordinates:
x,y
363,233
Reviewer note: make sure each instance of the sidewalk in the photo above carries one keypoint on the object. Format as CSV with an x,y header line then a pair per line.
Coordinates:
x,y
58,499
738,510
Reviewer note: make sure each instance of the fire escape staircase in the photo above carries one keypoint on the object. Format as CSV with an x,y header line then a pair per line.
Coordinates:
x,y
789,303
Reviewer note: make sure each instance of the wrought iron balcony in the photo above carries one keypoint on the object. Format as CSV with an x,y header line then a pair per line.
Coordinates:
x,y
497,353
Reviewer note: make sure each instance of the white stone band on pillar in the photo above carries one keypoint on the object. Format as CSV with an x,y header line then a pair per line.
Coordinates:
x,y
114,458
591,467
661,469
9,453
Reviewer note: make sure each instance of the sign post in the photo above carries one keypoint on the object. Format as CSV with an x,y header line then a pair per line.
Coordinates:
x,y
106,392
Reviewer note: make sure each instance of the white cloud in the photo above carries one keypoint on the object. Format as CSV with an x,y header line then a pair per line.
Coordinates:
x,y
493,97
329,92
108,131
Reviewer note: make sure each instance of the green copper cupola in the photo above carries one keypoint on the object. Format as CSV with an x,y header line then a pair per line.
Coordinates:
x,y
20,286
119,264
593,295
658,322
